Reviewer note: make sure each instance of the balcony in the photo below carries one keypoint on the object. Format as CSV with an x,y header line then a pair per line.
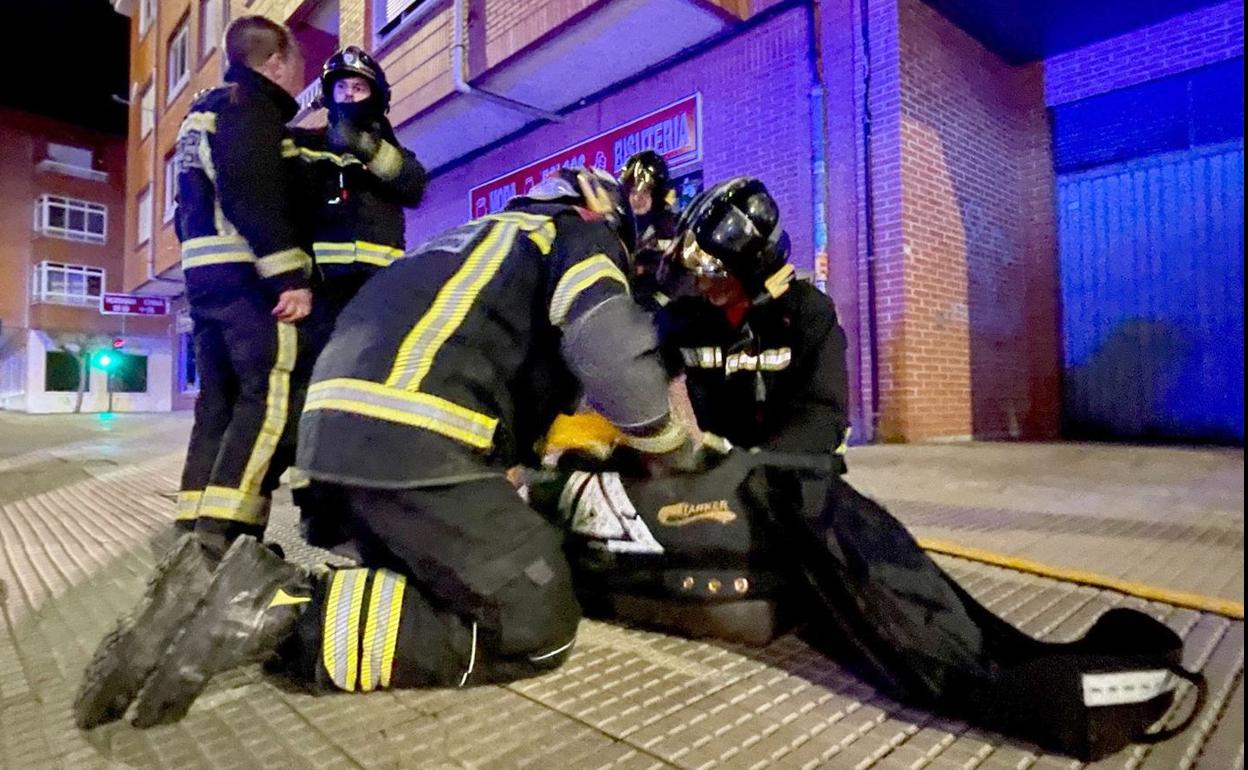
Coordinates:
x,y
70,169
592,51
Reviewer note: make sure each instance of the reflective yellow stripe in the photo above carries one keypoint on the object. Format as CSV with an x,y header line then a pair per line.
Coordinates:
x,y
233,505
544,237
340,632
276,409
418,410
577,279
346,253
199,121
188,505
298,479
381,629
844,447
391,637
283,262
290,150
450,307
215,250
779,282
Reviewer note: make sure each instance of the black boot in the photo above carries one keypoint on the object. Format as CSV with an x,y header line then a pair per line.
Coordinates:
x,y
250,607
128,654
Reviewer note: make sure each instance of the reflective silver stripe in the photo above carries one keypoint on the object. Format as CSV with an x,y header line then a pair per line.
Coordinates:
x,y
283,262
233,505
418,410
377,629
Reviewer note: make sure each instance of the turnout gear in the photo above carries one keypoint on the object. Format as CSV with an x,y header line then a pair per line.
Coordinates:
x,y
777,380
240,250
123,660
780,530
251,605
734,229
647,172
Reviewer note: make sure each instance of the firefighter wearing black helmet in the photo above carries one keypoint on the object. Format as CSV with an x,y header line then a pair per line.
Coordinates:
x,y
648,182
360,178
763,354
441,374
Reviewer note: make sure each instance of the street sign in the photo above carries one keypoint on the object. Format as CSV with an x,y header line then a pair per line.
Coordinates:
x,y
133,304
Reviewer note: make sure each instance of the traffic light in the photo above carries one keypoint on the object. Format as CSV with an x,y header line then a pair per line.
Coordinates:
x,y
104,360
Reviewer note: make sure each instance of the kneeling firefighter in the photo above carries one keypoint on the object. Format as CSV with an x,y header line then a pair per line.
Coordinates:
x,y
441,374
711,555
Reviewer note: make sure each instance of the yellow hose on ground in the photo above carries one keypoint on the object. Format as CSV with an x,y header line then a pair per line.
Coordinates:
x,y
1230,609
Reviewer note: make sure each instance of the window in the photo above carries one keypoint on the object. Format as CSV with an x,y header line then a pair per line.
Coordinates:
x,y
129,375
188,379
178,63
144,229
61,373
389,15
72,220
211,17
68,154
147,110
171,186
147,15
58,284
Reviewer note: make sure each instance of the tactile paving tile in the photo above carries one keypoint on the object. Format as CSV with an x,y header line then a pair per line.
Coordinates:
x,y
628,699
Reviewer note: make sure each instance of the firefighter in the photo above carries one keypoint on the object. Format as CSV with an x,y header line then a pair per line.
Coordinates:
x,y
359,179
647,180
441,374
763,354
247,280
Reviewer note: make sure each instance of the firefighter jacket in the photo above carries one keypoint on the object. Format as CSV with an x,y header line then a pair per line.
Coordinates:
x,y
451,364
776,381
357,221
236,215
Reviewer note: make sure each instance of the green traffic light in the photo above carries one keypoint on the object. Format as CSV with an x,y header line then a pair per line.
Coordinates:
x,y
105,361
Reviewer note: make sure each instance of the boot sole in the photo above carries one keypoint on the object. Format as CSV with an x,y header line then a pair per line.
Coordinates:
x,y
195,654
122,661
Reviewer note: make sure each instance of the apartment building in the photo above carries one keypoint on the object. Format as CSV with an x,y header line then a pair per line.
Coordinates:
x,y
916,147
62,206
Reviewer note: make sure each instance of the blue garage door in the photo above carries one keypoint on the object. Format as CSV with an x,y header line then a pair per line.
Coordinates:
x,y
1152,262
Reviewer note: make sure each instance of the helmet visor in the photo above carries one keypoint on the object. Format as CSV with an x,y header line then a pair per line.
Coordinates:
x,y
697,261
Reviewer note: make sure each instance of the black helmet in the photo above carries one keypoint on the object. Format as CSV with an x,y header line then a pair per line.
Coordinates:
x,y
647,172
353,61
590,188
734,228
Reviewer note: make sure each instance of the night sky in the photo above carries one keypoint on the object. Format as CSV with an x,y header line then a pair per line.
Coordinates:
x,y
71,56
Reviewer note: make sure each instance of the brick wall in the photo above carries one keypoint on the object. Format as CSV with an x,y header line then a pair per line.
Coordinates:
x,y
755,121
1205,36
965,274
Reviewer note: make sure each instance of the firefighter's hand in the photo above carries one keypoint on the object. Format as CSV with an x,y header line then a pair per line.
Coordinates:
x,y
346,135
293,305
694,456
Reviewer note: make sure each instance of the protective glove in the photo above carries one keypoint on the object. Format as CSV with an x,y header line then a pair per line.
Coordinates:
x,y
345,135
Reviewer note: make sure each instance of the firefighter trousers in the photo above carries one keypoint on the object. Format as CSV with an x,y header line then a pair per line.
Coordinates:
x,y
465,584
253,377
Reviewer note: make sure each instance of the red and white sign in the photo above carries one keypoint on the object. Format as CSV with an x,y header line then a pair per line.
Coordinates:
x,y
674,131
133,304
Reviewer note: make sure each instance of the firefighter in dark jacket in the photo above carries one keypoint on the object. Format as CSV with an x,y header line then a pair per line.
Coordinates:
x,y
359,180
359,177
763,354
247,280
648,181
441,374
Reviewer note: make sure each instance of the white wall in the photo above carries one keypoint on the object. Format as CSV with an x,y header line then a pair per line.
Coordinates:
x,y
160,370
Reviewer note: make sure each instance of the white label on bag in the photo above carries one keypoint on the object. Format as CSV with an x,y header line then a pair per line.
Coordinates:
x,y
1125,687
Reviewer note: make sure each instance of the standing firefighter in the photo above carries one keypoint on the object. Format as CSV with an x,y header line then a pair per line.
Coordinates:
x,y
360,175
247,279
359,180
441,374
648,182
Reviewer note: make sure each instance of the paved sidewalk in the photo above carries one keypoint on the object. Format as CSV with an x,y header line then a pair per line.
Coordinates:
x,y
73,555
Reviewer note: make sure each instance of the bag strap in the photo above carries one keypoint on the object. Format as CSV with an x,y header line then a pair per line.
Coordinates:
x,y
1197,680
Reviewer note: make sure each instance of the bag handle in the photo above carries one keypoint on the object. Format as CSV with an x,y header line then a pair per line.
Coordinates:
x,y
1197,680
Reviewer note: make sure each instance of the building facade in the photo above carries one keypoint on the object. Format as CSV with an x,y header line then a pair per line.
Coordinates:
x,y
913,161
62,211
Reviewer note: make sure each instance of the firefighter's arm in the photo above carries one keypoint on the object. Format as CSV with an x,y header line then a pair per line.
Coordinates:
x,y
817,418
255,193
401,172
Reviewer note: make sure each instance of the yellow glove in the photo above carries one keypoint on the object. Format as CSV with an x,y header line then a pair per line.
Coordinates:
x,y
589,433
